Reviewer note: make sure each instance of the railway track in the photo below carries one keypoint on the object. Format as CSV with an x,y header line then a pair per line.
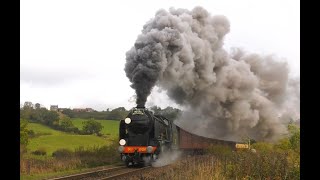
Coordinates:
x,y
105,174
128,172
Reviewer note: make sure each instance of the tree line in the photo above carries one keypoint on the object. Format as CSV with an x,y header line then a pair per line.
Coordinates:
x,y
121,113
115,114
62,120
55,120
47,117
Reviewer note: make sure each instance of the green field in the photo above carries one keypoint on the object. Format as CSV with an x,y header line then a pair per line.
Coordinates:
x,y
110,127
51,139
39,128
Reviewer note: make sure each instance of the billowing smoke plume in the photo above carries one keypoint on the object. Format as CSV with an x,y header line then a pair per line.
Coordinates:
x,y
227,96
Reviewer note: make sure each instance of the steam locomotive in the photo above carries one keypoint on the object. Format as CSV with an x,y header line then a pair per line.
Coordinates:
x,y
143,136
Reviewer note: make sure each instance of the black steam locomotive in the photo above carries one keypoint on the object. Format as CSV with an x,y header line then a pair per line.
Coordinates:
x,y
143,136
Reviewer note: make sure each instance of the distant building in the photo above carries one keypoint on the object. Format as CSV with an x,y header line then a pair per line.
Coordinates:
x,y
42,106
79,109
62,109
89,110
83,109
54,108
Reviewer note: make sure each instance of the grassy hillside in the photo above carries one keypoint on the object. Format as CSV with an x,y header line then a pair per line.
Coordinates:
x,y
39,128
51,139
110,127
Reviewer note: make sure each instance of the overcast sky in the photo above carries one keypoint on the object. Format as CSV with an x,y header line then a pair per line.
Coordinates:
x,y
73,51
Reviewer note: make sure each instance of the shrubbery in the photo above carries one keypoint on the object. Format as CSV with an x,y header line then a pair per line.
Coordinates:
x,y
62,153
219,150
65,159
280,160
91,127
96,156
57,121
40,151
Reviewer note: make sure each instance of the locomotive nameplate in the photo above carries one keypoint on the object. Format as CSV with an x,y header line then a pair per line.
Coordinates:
x,y
137,112
140,149
241,146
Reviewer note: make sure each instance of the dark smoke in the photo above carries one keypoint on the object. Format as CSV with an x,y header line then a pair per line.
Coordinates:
x,y
226,96
145,60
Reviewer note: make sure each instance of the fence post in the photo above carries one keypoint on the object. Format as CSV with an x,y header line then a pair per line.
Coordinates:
x,y
225,164
212,164
28,167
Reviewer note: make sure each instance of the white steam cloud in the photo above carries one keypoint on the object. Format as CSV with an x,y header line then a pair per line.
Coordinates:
x,y
167,157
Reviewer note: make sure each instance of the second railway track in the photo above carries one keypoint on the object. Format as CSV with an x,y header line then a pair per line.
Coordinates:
x,y
127,172
104,174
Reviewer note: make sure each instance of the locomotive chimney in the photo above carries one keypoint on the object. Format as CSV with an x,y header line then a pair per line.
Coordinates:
x,y
140,107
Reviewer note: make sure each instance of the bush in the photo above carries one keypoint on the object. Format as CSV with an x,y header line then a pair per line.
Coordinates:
x,y
23,150
262,147
97,156
24,138
294,139
92,127
283,144
31,133
65,124
40,151
219,150
62,153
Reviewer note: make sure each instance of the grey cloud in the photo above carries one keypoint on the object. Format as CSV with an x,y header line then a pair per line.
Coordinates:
x,y
51,76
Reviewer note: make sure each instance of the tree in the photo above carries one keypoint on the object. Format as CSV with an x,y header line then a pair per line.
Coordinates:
x,y
117,114
92,127
44,116
39,115
119,109
68,112
294,139
28,105
50,117
66,124
170,112
24,132
27,111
